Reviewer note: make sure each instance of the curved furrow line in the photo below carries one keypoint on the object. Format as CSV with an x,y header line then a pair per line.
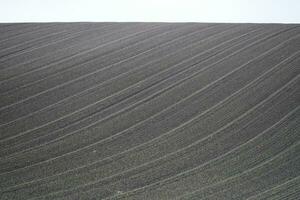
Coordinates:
x,y
34,29
157,61
213,162
11,27
70,34
173,35
79,48
73,36
282,162
154,49
36,37
57,29
110,47
95,194
149,111
119,177
95,69
65,42
181,68
21,118
101,63
266,183
22,33
195,143
225,189
57,56
279,189
172,196
126,42
31,44
182,72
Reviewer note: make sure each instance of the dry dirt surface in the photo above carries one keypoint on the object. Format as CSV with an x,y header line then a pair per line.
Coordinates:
x,y
149,111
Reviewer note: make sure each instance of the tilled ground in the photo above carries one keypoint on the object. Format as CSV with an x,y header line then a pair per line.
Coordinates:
x,y
149,111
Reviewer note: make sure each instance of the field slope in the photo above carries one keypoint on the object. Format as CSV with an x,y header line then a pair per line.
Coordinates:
x,y
149,111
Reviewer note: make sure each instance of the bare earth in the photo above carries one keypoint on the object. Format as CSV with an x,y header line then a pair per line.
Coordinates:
x,y
149,111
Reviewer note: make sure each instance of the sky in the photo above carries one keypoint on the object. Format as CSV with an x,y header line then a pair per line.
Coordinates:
x,y
235,11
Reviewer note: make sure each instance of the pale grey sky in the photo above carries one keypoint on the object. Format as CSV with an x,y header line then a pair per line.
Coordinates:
x,y
263,11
